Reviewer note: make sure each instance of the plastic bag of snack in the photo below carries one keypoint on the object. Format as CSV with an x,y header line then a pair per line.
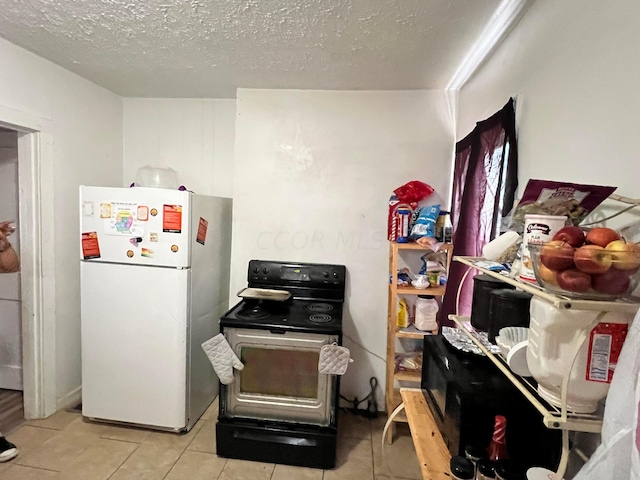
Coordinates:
x,y
408,361
546,197
413,191
425,224
403,279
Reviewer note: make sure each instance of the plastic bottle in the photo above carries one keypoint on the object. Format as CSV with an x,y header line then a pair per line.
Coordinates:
x,y
485,470
443,227
474,453
461,468
402,319
439,229
426,312
448,229
509,470
497,449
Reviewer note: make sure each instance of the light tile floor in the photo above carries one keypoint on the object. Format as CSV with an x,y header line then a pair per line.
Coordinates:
x,y
65,446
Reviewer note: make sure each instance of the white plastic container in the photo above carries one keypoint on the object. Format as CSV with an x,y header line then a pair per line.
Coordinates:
x,y
537,229
495,248
553,335
426,311
157,177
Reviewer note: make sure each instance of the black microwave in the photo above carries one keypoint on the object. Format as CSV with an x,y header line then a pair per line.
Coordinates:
x,y
465,392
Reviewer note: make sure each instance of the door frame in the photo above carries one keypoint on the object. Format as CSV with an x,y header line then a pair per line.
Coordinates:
x,y
36,226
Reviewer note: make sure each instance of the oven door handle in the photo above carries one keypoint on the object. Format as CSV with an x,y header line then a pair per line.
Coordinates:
x,y
271,438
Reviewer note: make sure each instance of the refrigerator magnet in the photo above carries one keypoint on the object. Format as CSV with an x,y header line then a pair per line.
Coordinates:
x,y
202,231
142,213
172,218
105,210
90,245
146,252
87,208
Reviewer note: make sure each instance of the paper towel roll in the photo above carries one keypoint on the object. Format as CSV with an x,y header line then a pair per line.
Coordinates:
x,y
495,248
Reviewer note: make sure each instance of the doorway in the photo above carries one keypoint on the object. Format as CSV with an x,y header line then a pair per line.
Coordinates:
x,y
11,399
37,280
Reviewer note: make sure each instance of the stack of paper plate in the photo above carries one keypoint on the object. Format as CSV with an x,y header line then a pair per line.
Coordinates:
x,y
513,343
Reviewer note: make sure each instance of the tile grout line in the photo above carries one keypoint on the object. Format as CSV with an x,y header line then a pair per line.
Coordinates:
x,y
226,460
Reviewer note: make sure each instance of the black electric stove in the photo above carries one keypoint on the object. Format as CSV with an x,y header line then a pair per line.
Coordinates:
x,y
257,425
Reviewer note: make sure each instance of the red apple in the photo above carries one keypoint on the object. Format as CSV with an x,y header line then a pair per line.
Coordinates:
x,y
573,235
556,255
631,272
626,256
612,282
574,280
592,259
602,236
547,275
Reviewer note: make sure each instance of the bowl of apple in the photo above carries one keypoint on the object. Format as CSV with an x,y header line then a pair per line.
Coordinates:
x,y
594,264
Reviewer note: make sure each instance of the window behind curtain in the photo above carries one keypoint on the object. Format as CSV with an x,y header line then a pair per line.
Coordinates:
x,y
485,178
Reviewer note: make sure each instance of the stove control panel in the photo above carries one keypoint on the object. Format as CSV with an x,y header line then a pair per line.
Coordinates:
x,y
288,274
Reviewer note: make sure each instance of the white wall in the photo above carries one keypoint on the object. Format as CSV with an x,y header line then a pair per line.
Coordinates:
x,y
86,128
194,137
362,145
571,66
313,174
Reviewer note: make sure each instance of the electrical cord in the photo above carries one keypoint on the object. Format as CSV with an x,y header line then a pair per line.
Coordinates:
x,y
372,406
364,348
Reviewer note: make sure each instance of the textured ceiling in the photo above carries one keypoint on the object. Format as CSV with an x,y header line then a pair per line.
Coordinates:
x,y
208,48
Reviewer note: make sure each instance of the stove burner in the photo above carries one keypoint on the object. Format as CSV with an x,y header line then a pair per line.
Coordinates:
x,y
320,307
254,312
320,318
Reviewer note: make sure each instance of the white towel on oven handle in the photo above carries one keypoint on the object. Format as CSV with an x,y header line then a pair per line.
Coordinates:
x,y
334,359
222,358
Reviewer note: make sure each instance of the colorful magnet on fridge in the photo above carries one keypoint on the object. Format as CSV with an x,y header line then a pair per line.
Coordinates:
x,y
142,213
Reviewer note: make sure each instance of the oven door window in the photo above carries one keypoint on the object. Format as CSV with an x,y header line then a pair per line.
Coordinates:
x,y
282,373
280,379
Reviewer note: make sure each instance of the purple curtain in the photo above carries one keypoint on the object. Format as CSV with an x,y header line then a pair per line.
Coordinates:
x,y
485,178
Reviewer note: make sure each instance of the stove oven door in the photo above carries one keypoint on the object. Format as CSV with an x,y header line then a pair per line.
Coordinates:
x,y
280,380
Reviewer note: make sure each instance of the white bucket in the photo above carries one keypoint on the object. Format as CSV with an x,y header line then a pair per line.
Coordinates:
x,y
553,334
157,177
537,229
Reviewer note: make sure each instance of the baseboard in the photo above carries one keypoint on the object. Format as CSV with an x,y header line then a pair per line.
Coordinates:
x,y
11,377
70,399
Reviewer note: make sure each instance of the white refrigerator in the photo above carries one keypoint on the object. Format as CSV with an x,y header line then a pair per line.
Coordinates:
x,y
154,267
